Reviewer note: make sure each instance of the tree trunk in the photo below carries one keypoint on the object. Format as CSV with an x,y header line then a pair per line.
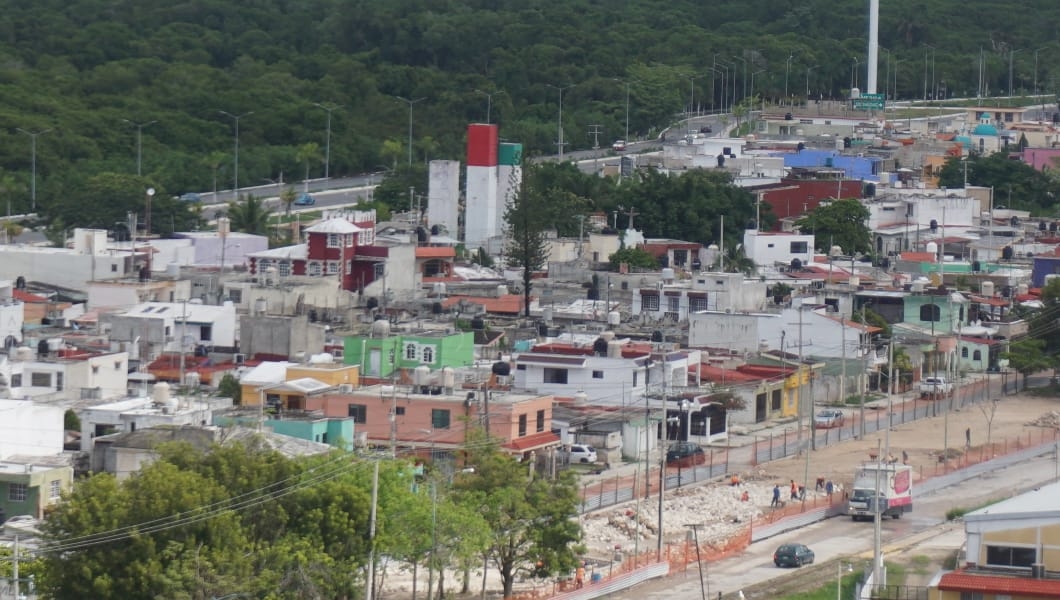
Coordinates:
x,y
527,280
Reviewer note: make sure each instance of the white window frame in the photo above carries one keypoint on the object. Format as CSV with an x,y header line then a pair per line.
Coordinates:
x,y
333,267
333,240
17,492
283,269
649,302
315,269
55,489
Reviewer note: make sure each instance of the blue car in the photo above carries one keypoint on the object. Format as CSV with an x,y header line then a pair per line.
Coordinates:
x,y
305,200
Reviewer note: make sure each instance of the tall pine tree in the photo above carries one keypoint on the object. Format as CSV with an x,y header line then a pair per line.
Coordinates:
x,y
526,245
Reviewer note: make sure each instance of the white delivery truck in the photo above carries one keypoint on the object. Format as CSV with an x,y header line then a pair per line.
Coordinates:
x,y
895,484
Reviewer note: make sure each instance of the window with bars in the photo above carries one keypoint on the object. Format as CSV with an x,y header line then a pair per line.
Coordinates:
x,y
315,270
284,268
55,489
673,306
540,421
522,425
359,412
17,492
439,418
697,304
649,302
333,240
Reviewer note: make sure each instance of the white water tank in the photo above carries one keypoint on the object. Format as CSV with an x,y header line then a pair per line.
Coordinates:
x,y
614,318
161,397
192,379
324,358
614,349
1022,289
502,290
448,379
24,353
668,275
261,306
381,328
607,336
581,398
835,251
386,391
421,375
932,248
988,289
854,281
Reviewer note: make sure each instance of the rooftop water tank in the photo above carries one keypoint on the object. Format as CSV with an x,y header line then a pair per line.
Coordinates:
x,y
668,275
854,281
448,379
608,336
1022,289
324,358
421,375
261,305
614,318
161,397
581,398
192,379
988,289
614,349
381,328
932,248
24,353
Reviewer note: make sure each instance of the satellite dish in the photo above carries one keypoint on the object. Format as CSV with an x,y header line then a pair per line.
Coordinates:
x,y
150,191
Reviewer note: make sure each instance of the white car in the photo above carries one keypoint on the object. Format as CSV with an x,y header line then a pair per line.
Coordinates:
x,y
21,524
580,453
931,386
619,146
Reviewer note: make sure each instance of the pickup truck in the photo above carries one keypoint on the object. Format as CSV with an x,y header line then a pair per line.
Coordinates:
x,y
930,386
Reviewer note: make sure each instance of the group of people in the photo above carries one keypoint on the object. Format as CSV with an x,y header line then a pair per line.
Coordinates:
x,y
798,492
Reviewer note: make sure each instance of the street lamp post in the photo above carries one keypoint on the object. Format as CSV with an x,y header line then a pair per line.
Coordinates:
x,y
854,74
787,72
744,61
410,103
808,69
839,578
559,141
327,138
489,102
695,538
139,141
926,68
1011,54
1036,68
235,164
33,160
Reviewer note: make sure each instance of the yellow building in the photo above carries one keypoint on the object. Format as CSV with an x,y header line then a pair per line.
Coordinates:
x,y
288,384
1012,551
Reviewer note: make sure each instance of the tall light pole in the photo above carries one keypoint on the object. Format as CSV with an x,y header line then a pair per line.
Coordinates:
x,y
1036,68
235,165
626,83
33,161
926,68
744,61
489,102
787,72
808,69
692,105
327,138
410,103
1011,54
854,74
139,141
559,140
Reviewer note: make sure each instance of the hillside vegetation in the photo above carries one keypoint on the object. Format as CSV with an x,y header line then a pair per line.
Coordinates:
x,y
91,70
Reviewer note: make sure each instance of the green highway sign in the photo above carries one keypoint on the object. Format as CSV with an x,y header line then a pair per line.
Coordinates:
x,y
869,102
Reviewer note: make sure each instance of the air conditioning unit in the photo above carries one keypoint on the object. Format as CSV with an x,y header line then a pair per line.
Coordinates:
x,y
239,359
346,388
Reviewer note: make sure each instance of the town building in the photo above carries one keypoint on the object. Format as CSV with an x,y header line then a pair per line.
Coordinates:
x,y
161,409
382,355
30,429
31,488
674,300
158,327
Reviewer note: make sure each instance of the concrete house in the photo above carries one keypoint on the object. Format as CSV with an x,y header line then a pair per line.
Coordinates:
x,y
30,488
30,429
381,356
174,327
675,300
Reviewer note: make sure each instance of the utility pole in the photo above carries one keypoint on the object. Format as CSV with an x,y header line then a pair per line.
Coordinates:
x,y
327,140
410,103
369,593
662,457
703,593
559,126
33,135
581,233
877,534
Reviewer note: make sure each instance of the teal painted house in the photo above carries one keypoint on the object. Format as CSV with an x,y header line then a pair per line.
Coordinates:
x,y
380,357
935,314
333,431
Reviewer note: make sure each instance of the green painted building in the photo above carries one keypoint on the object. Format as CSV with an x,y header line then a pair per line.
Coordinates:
x,y
936,314
334,431
28,489
380,357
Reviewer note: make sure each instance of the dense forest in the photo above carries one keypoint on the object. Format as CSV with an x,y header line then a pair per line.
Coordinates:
x,y
104,88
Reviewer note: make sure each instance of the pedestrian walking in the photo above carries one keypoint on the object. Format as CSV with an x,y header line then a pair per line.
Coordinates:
x,y
968,437
776,496
794,490
579,577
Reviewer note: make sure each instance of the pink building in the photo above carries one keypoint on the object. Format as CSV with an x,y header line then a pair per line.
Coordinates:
x,y
442,421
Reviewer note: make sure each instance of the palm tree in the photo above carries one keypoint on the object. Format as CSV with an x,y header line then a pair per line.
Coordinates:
x,y
9,186
307,153
287,196
249,216
214,161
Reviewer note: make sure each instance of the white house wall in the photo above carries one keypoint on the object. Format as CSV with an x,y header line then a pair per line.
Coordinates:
x,y
60,267
736,332
483,205
621,382
770,248
443,195
30,429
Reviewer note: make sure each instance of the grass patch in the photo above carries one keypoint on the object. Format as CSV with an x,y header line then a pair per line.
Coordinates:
x,y
959,511
920,564
827,592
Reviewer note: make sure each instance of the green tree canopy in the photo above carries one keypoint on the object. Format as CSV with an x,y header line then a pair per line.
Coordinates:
x,y
840,223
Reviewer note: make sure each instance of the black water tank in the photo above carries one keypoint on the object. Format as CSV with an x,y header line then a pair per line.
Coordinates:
x,y
800,147
1052,227
435,230
421,235
436,308
501,368
796,264
976,266
1042,226
656,336
42,348
1014,221
600,347
721,160
542,329
1006,253
847,142
870,190
20,281
372,302
934,225
478,323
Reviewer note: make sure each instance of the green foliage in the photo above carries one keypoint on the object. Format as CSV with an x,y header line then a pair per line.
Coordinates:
x,y
636,258
525,224
840,223
867,316
249,215
229,388
532,519
71,422
1016,184
1027,357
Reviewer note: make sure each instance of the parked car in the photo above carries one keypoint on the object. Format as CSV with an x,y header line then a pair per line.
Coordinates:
x,y
685,454
706,129
21,524
305,200
580,453
829,417
793,555
191,197
619,146
930,386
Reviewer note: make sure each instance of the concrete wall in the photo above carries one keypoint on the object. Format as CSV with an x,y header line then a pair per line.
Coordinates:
x,y
443,196
61,267
30,429
280,335
483,206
